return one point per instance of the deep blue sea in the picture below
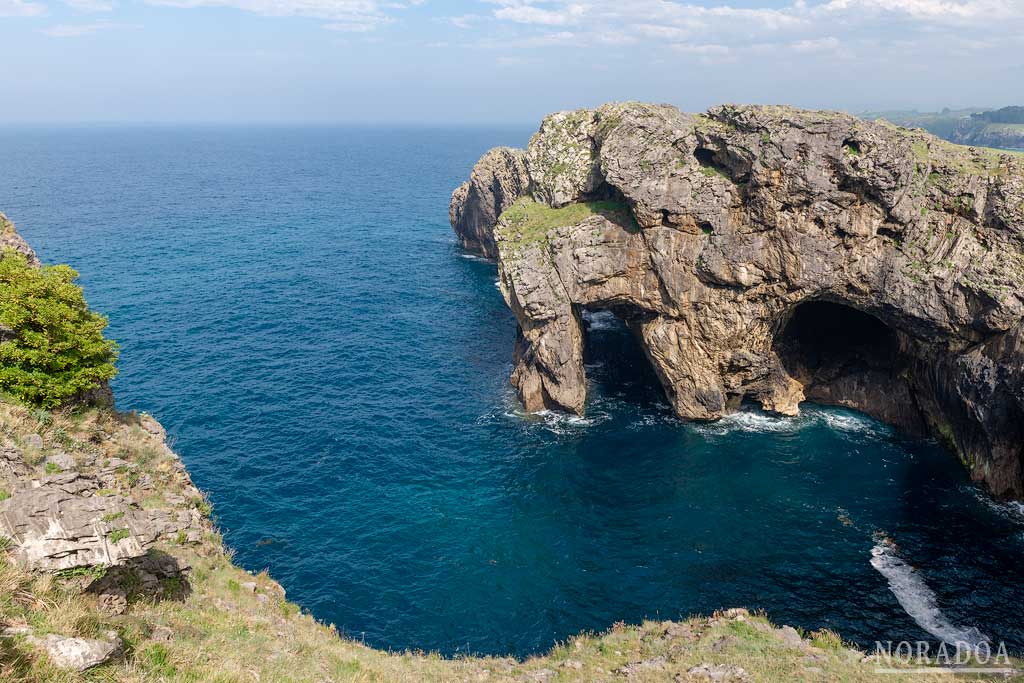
(291, 304)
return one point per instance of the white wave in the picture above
(1012, 510)
(601, 320)
(474, 257)
(750, 421)
(846, 422)
(918, 600)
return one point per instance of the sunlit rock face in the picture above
(769, 254)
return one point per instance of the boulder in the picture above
(78, 654)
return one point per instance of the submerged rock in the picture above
(769, 254)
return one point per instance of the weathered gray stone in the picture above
(58, 524)
(790, 637)
(10, 239)
(61, 460)
(497, 180)
(78, 654)
(718, 672)
(736, 221)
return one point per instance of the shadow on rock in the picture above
(154, 577)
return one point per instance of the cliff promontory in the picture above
(773, 255)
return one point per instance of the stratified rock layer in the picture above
(769, 254)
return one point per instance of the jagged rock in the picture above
(33, 441)
(61, 460)
(56, 523)
(635, 668)
(496, 181)
(10, 239)
(771, 254)
(718, 672)
(12, 463)
(78, 654)
(113, 601)
(790, 637)
(162, 634)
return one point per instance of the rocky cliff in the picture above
(768, 254)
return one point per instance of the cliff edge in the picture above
(768, 254)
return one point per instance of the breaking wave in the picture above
(918, 600)
(1012, 510)
(759, 421)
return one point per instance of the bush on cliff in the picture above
(52, 347)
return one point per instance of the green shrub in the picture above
(52, 348)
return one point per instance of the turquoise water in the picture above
(292, 305)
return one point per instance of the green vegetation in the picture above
(119, 535)
(52, 468)
(4, 495)
(53, 349)
(713, 172)
(528, 221)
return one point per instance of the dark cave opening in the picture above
(844, 356)
(614, 359)
(825, 337)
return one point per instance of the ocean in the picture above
(291, 303)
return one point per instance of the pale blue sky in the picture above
(494, 61)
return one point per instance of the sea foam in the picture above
(918, 600)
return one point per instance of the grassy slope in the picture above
(528, 221)
(225, 631)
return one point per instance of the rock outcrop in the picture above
(769, 254)
(498, 179)
(78, 654)
(61, 511)
(10, 239)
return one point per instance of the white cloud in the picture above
(90, 5)
(464, 20)
(528, 14)
(801, 26)
(355, 26)
(354, 16)
(76, 30)
(20, 8)
(827, 44)
(704, 50)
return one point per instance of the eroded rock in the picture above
(770, 254)
(78, 654)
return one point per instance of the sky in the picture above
(494, 61)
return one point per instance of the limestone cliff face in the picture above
(769, 254)
(10, 239)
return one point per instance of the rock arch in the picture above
(732, 232)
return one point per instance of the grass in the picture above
(528, 221)
(118, 535)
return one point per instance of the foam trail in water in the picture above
(918, 600)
